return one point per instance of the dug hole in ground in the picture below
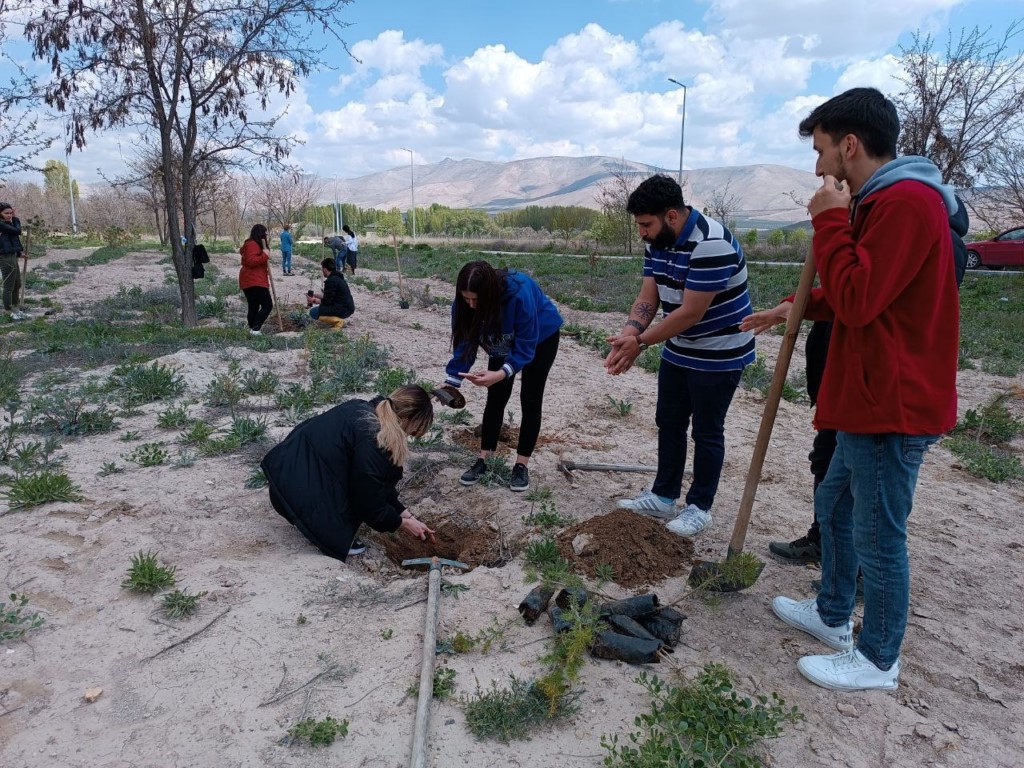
(282, 613)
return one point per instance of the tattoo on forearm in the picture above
(644, 311)
(634, 324)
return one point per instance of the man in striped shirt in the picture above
(694, 269)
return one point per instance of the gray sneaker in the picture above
(649, 504)
(520, 478)
(803, 614)
(472, 475)
(690, 522)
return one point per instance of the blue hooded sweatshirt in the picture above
(528, 317)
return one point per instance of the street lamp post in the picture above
(682, 130)
(412, 189)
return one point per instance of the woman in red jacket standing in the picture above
(253, 278)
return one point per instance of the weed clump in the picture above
(179, 604)
(41, 488)
(138, 384)
(147, 576)
(319, 733)
(979, 440)
(511, 713)
(702, 722)
(15, 621)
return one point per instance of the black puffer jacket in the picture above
(337, 300)
(10, 237)
(329, 476)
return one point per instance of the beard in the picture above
(665, 238)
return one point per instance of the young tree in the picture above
(195, 72)
(722, 205)
(286, 197)
(615, 227)
(958, 104)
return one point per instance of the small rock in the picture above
(950, 726)
(847, 709)
(580, 543)
(92, 694)
(450, 721)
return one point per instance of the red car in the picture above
(1004, 250)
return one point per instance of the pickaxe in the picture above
(419, 734)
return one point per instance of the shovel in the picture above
(739, 573)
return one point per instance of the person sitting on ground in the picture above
(11, 250)
(339, 470)
(338, 250)
(352, 244)
(335, 301)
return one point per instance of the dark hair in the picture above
(328, 264)
(346, 228)
(654, 196)
(470, 325)
(865, 113)
(258, 233)
(5, 206)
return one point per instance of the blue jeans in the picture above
(862, 508)
(286, 261)
(314, 312)
(339, 260)
(705, 396)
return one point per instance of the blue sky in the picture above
(505, 81)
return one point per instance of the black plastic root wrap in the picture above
(631, 606)
(666, 625)
(535, 603)
(564, 598)
(633, 650)
(624, 625)
(558, 621)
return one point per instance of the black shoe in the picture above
(802, 550)
(858, 595)
(357, 547)
(520, 478)
(472, 475)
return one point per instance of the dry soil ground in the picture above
(217, 699)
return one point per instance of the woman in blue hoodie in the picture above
(507, 315)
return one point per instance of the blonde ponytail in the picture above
(405, 412)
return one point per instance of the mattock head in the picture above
(435, 563)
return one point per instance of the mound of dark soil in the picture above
(470, 544)
(639, 549)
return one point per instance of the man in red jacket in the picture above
(885, 262)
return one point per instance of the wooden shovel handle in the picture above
(771, 406)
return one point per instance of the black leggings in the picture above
(258, 299)
(531, 398)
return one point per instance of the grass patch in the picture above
(444, 684)
(702, 722)
(148, 455)
(180, 604)
(42, 488)
(980, 441)
(147, 576)
(513, 712)
(987, 461)
(138, 384)
(548, 516)
(319, 733)
(15, 620)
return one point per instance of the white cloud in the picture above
(881, 73)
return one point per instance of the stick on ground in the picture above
(184, 640)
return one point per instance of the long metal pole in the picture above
(682, 130)
(412, 187)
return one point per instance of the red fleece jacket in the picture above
(254, 266)
(888, 283)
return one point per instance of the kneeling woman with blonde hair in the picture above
(341, 469)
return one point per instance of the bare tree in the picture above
(286, 197)
(194, 70)
(1000, 203)
(958, 104)
(722, 204)
(21, 139)
(616, 225)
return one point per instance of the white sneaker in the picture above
(16, 315)
(649, 504)
(691, 521)
(254, 332)
(803, 614)
(848, 671)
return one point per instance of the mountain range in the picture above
(772, 194)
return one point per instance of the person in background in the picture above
(352, 244)
(254, 278)
(11, 250)
(508, 315)
(886, 266)
(339, 470)
(338, 250)
(336, 299)
(694, 268)
(286, 249)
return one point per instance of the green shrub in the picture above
(988, 461)
(700, 723)
(319, 733)
(146, 575)
(138, 384)
(15, 621)
(148, 455)
(510, 713)
(180, 604)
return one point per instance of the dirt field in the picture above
(217, 699)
